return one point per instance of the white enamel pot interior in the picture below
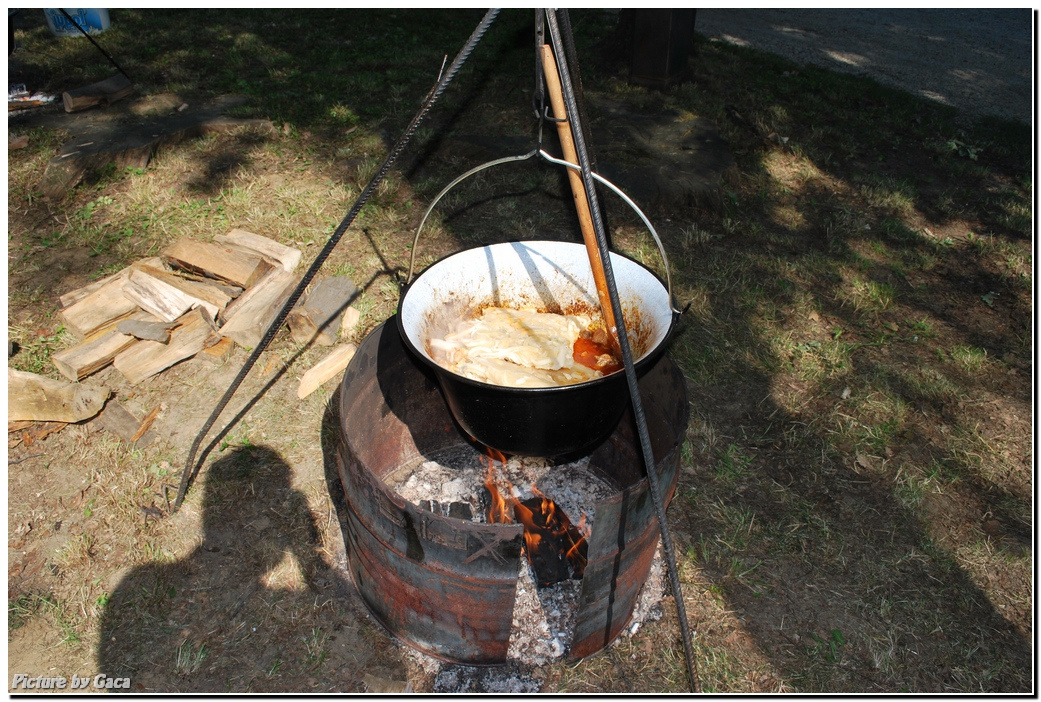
(551, 276)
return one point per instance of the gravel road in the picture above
(980, 61)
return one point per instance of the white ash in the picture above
(543, 618)
(574, 487)
(649, 604)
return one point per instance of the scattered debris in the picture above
(377, 685)
(28, 432)
(19, 98)
(23, 458)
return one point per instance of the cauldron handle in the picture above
(550, 159)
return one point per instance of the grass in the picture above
(856, 347)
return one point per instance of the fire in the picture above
(555, 547)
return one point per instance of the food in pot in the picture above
(525, 348)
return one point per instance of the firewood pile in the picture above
(196, 299)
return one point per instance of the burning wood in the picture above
(556, 549)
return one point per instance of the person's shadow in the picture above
(254, 607)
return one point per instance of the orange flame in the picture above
(550, 527)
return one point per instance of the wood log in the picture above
(318, 317)
(102, 308)
(146, 358)
(78, 294)
(87, 357)
(169, 296)
(351, 317)
(103, 92)
(35, 397)
(248, 317)
(234, 266)
(285, 256)
(118, 421)
(218, 353)
(325, 369)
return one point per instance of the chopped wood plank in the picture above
(103, 92)
(233, 266)
(351, 317)
(101, 308)
(78, 294)
(318, 317)
(248, 318)
(325, 369)
(169, 296)
(146, 331)
(35, 397)
(87, 357)
(286, 256)
(146, 358)
(219, 352)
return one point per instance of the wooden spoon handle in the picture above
(585, 217)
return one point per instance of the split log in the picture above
(248, 317)
(318, 317)
(219, 352)
(117, 420)
(87, 357)
(35, 397)
(325, 369)
(285, 256)
(234, 266)
(351, 317)
(103, 92)
(78, 294)
(169, 296)
(146, 358)
(102, 308)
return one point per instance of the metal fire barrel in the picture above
(447, 586)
